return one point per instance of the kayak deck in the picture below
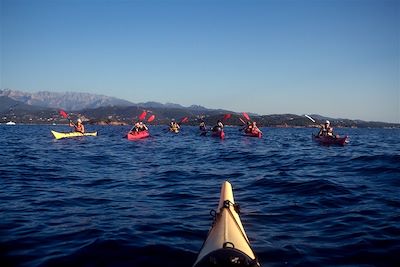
(330, 140)
(220, 134)
(227, 243)
(137, 135)
(255, 134)
(58, 135)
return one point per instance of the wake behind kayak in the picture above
(227, 243)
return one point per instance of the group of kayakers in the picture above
(250, 127)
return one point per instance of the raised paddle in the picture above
(151, 118)
(227, 116)
(66, 116)
(184, 120)
(143, 115)
(246, 116)
(311, 119)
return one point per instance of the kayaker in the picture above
(326, 129)
(253, 128)
(218, 127)
(78, 127)
(202, 126)
(174, 126)
(139, 127)
(247, 127)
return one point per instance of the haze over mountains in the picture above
(42, 107)
(75, 101)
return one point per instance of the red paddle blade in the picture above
(186, 119)
(227, 116)
(143, 115)
(151, 118)
(63, 113)
(246, 116)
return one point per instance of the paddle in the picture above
(227, 116)
(143, 115)
(311, 119)
(244, 127)
(151, 118)
(183, 120)
(66, 116)
(246, 116)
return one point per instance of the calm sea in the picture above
(107, 201)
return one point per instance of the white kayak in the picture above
(58, 135)
(227, 243)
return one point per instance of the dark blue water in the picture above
(107, 201)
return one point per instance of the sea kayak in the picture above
(330, 140)
(58, 135)
(254, 134)
(219, 134)
(227, 243)
(137, 135)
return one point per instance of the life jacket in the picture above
(325, 131)
(79, 128)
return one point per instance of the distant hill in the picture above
(8, 104)
(79, 101)
(67, 100)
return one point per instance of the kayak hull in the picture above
(256, 134)
(330, 140)
(227, 243)
(58, 135)
(174, 130)
(137, 135)
(219, 134)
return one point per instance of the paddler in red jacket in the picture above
(78, 126)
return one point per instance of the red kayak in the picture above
(330, 140)
(219, 134)
(254, 134)
(137, 135)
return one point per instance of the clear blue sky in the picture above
(335, 58)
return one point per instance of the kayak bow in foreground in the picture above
(58, 135)
(227, 243)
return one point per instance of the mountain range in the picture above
(42, 107)
(74, 101)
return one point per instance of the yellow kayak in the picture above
(58, 135)
(227, 243)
